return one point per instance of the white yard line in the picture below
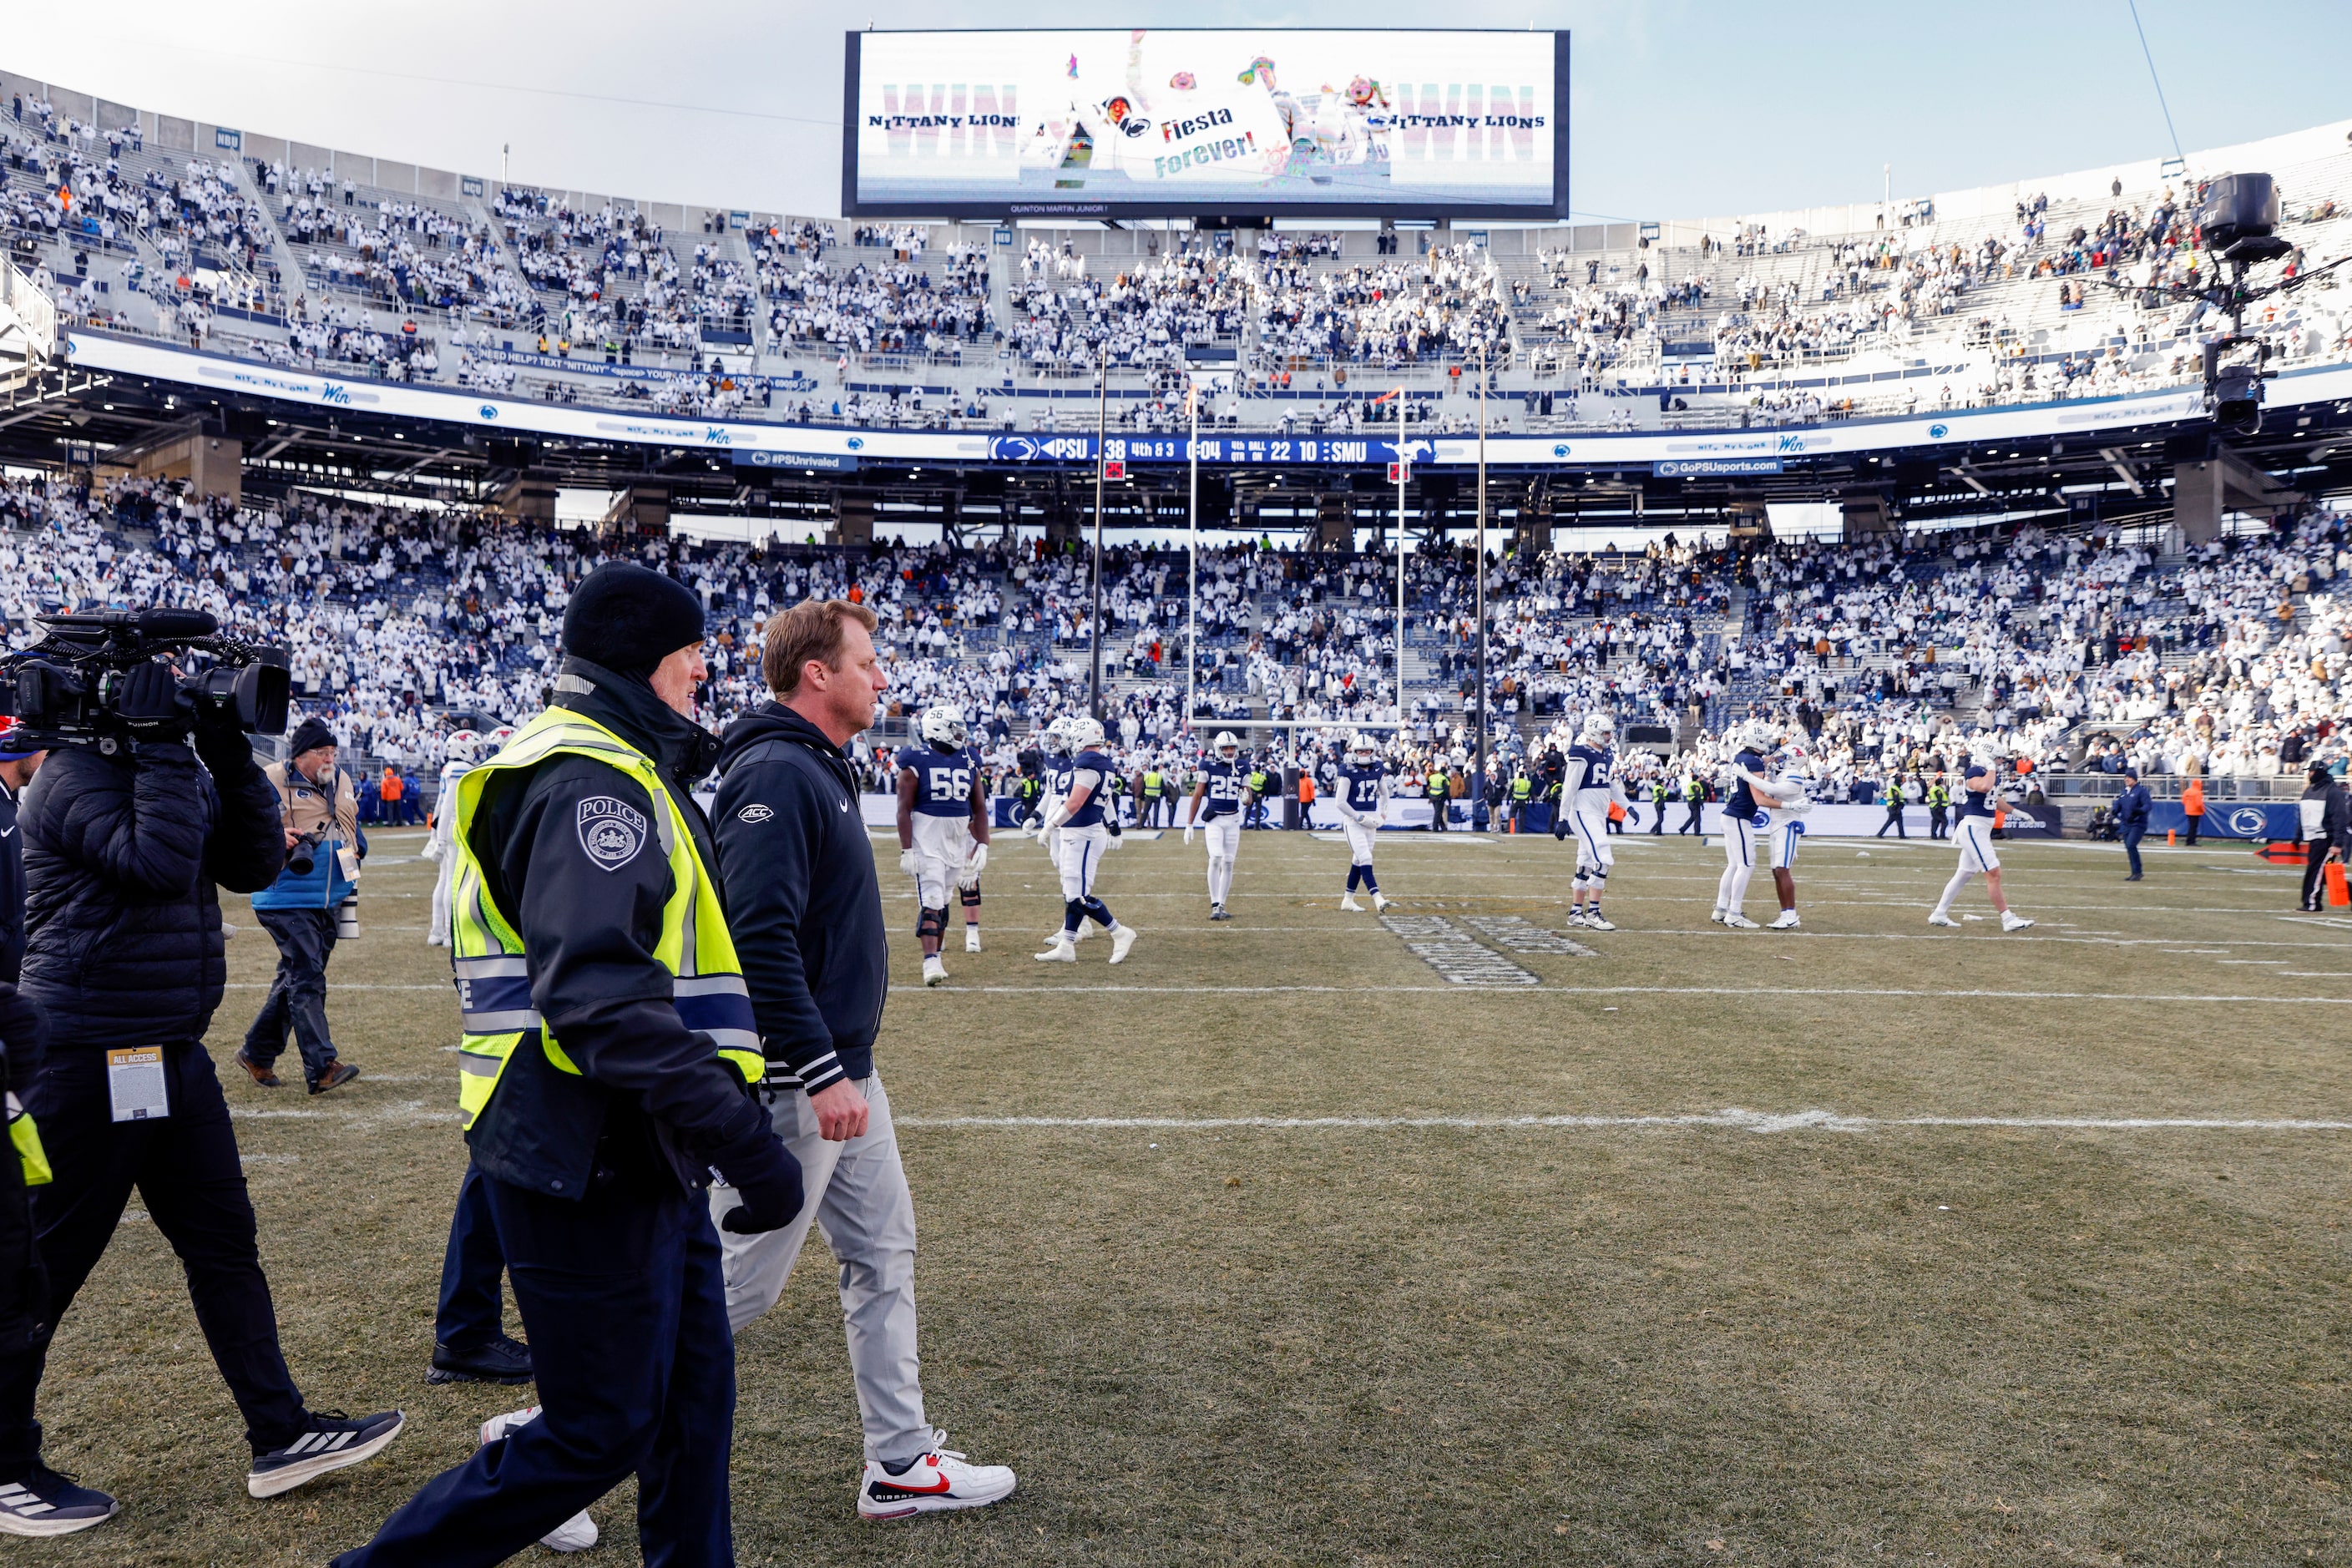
(1732, 1119)
(1552, 990)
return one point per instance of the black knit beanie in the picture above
(629, 619)
(308, 736)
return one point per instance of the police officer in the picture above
(608, 1049)
(1660, 794)
(1939, 809)
(1149, 797)
(1694, 802)
(1893, 798)
(1253, 802)
(1523, 790)
(1440, 797)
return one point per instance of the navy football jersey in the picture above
(1973, 802)
(1360, 787)
(1057, 774)
(943, 780)
(1091, 814)
(1600, 766)
(1742, 802)
(1225, 781)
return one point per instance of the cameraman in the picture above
(124, 838)
(322, 814)
(23, 1031)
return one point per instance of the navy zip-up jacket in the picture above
(801, 899)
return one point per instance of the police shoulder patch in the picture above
(755, 812)
(612, 831)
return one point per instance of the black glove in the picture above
(764, 1174)
(149, 701)
(1112, 823)
(223, 746)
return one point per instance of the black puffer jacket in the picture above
(123, 928)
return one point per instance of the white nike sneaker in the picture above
(2011, 921)
(934, 972)
(1348, 903)
(1380, 903)
(1121, 940)
(1716, 917)
(1737, 922)
(971, 939)
(1061, 950)
(940, 1479)
(1941, 918)
(1596, 920)
(577, 1533)
(1575, 916)
(1787, 922)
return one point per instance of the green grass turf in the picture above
(1867, 1343)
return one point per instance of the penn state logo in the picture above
(611, 831)
(2248, 821)
(1761, 819)
(1937, 432)
(755, 812)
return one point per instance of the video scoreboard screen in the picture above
(1151, 123)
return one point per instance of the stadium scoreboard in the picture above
(1162, 122)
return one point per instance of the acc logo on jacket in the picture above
(612, 831)
(755, 812)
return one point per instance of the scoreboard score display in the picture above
(1155, 122)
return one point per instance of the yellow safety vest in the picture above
(493, 971)
(26, 1139)
(1151, 781)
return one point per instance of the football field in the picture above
(1317, 1238)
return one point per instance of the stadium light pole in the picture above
(1479, 768)
(1192, 561)
(1093, 682)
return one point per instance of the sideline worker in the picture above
(608, 1046)
(793, 847)
(2132, 809)
(317, 801)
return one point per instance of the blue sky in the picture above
(1680, 108)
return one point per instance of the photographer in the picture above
(125, 835)
(23, 1031)
(323, 846)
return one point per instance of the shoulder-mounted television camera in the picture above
(65, 690)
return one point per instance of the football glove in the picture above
(972, 867)
(1188, 835)
(906, 861)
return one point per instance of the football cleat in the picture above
(1787, 921)
(934, 972)
(1737, 922)
(1348, 903)
(1597, 921)
(577, 1533)
(1941, 918)
(2011, 921)
(1576, 916)
(1121, 940)
(1716, 917)
(1219, 913)
(971, 939)
(1380, 903)
(1061, 950)
(939, 1480)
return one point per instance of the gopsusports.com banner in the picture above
(1155, 121)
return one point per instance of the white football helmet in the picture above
(463, 746)
(1058, 737)
(498, 737)
(1362, 750)
(1600, 730)
(1226, 745)
(1085, 730)
(1758, 735)
(943, 727)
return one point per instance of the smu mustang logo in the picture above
(612, 831)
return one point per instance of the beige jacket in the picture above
(308, 807)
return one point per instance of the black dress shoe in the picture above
(502, 1359)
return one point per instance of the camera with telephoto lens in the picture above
(66, 689)
(302, 855)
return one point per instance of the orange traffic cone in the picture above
(2170, 838)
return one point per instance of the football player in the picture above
(942, 831)
(1222, 791)
(1055, 776)
(1784, 833)
(1087, 818)
(1590, 788)
(1979, 794)
(1746, 820)
(1363, 785)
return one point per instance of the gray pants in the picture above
(858, 1196)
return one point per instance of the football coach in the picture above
(806, 913)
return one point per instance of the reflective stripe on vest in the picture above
(25, 1137)
(492, 972)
